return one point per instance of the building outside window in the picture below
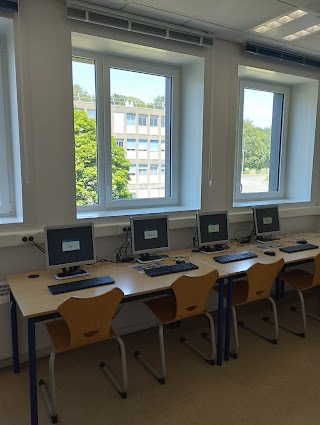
(260, 162)
(154, 145)
(143, 143)
(163, 122)
(154, 169)
(120, 142)
(131, 144)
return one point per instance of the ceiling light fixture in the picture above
(275, 23)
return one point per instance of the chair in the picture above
(188, 300)
(301, 280)
(256, 287)
(84, 321)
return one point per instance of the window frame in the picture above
(103, 63)
(282, 142)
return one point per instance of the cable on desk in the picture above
(244, 239)
(195, 242)
(122, 251)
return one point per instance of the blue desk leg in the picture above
(14, 334)
(228, 319)
(220, 323)
(32, 372)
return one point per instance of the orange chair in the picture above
(84, 321)
(301, 280)
(256, 287)
(188, 300)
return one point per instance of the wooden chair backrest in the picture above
(191, 294)
(261, 278)
(89, 319)
(316, 273)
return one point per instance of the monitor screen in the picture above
(68, 246)
(266, 219)
(213, 228)
(149, 233)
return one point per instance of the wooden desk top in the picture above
(34, 298)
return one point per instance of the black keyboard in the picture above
(80, 284)
(174, 268)
(236, 256)
(297, 248)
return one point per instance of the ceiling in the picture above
(236, 20)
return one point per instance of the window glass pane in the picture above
(153, 121)
(120, 142)
(143, 144)
(162, 121)
(131, 144)
(131, 119)
(85, 133)
(260, 112)
(141, 95)
(154, 145)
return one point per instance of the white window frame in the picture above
(6, 162)
(103, 65)
(271, 195)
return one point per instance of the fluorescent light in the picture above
(301, 33)
(261, 29)
(273, 24)
(290, 37)
(314, 28)
(285, 19)
(297, 13)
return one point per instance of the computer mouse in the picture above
(180, 261)
(269, 252)
(301, 241)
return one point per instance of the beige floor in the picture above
(278, 385)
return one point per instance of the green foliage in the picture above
(120, 100)
(79, 94)
(256, 144)
(86, 163)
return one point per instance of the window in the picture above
(262, 125)
(131, 145)
(143, 169)
(154, 170)
(153, 121)
(143, 144)
(108, 183)
(131, 119)
(7, 207)
(154, 145)
(163, 121)
(142, 120)
(132, 170)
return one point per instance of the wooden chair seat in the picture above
(298, 278)
(239, 293)
(60, 336)
(164, 308)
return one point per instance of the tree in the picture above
(86, 163)
(79, 94)
(256, 143)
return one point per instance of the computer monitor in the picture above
(149, 233)
(69, 247)
(213, 230)
(266, 222)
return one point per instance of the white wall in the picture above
(49, 196)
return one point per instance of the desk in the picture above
(38, 304)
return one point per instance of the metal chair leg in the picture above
(300, 333)
(210, 359)
(50, 399)
(160, 377)
(122, 388)
(274, 338)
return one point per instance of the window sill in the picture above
(10, 220)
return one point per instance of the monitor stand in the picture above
(147, 258)
(73, 271)
(215, 248)
(266, 239)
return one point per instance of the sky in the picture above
(257, 104)
(143, 86)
